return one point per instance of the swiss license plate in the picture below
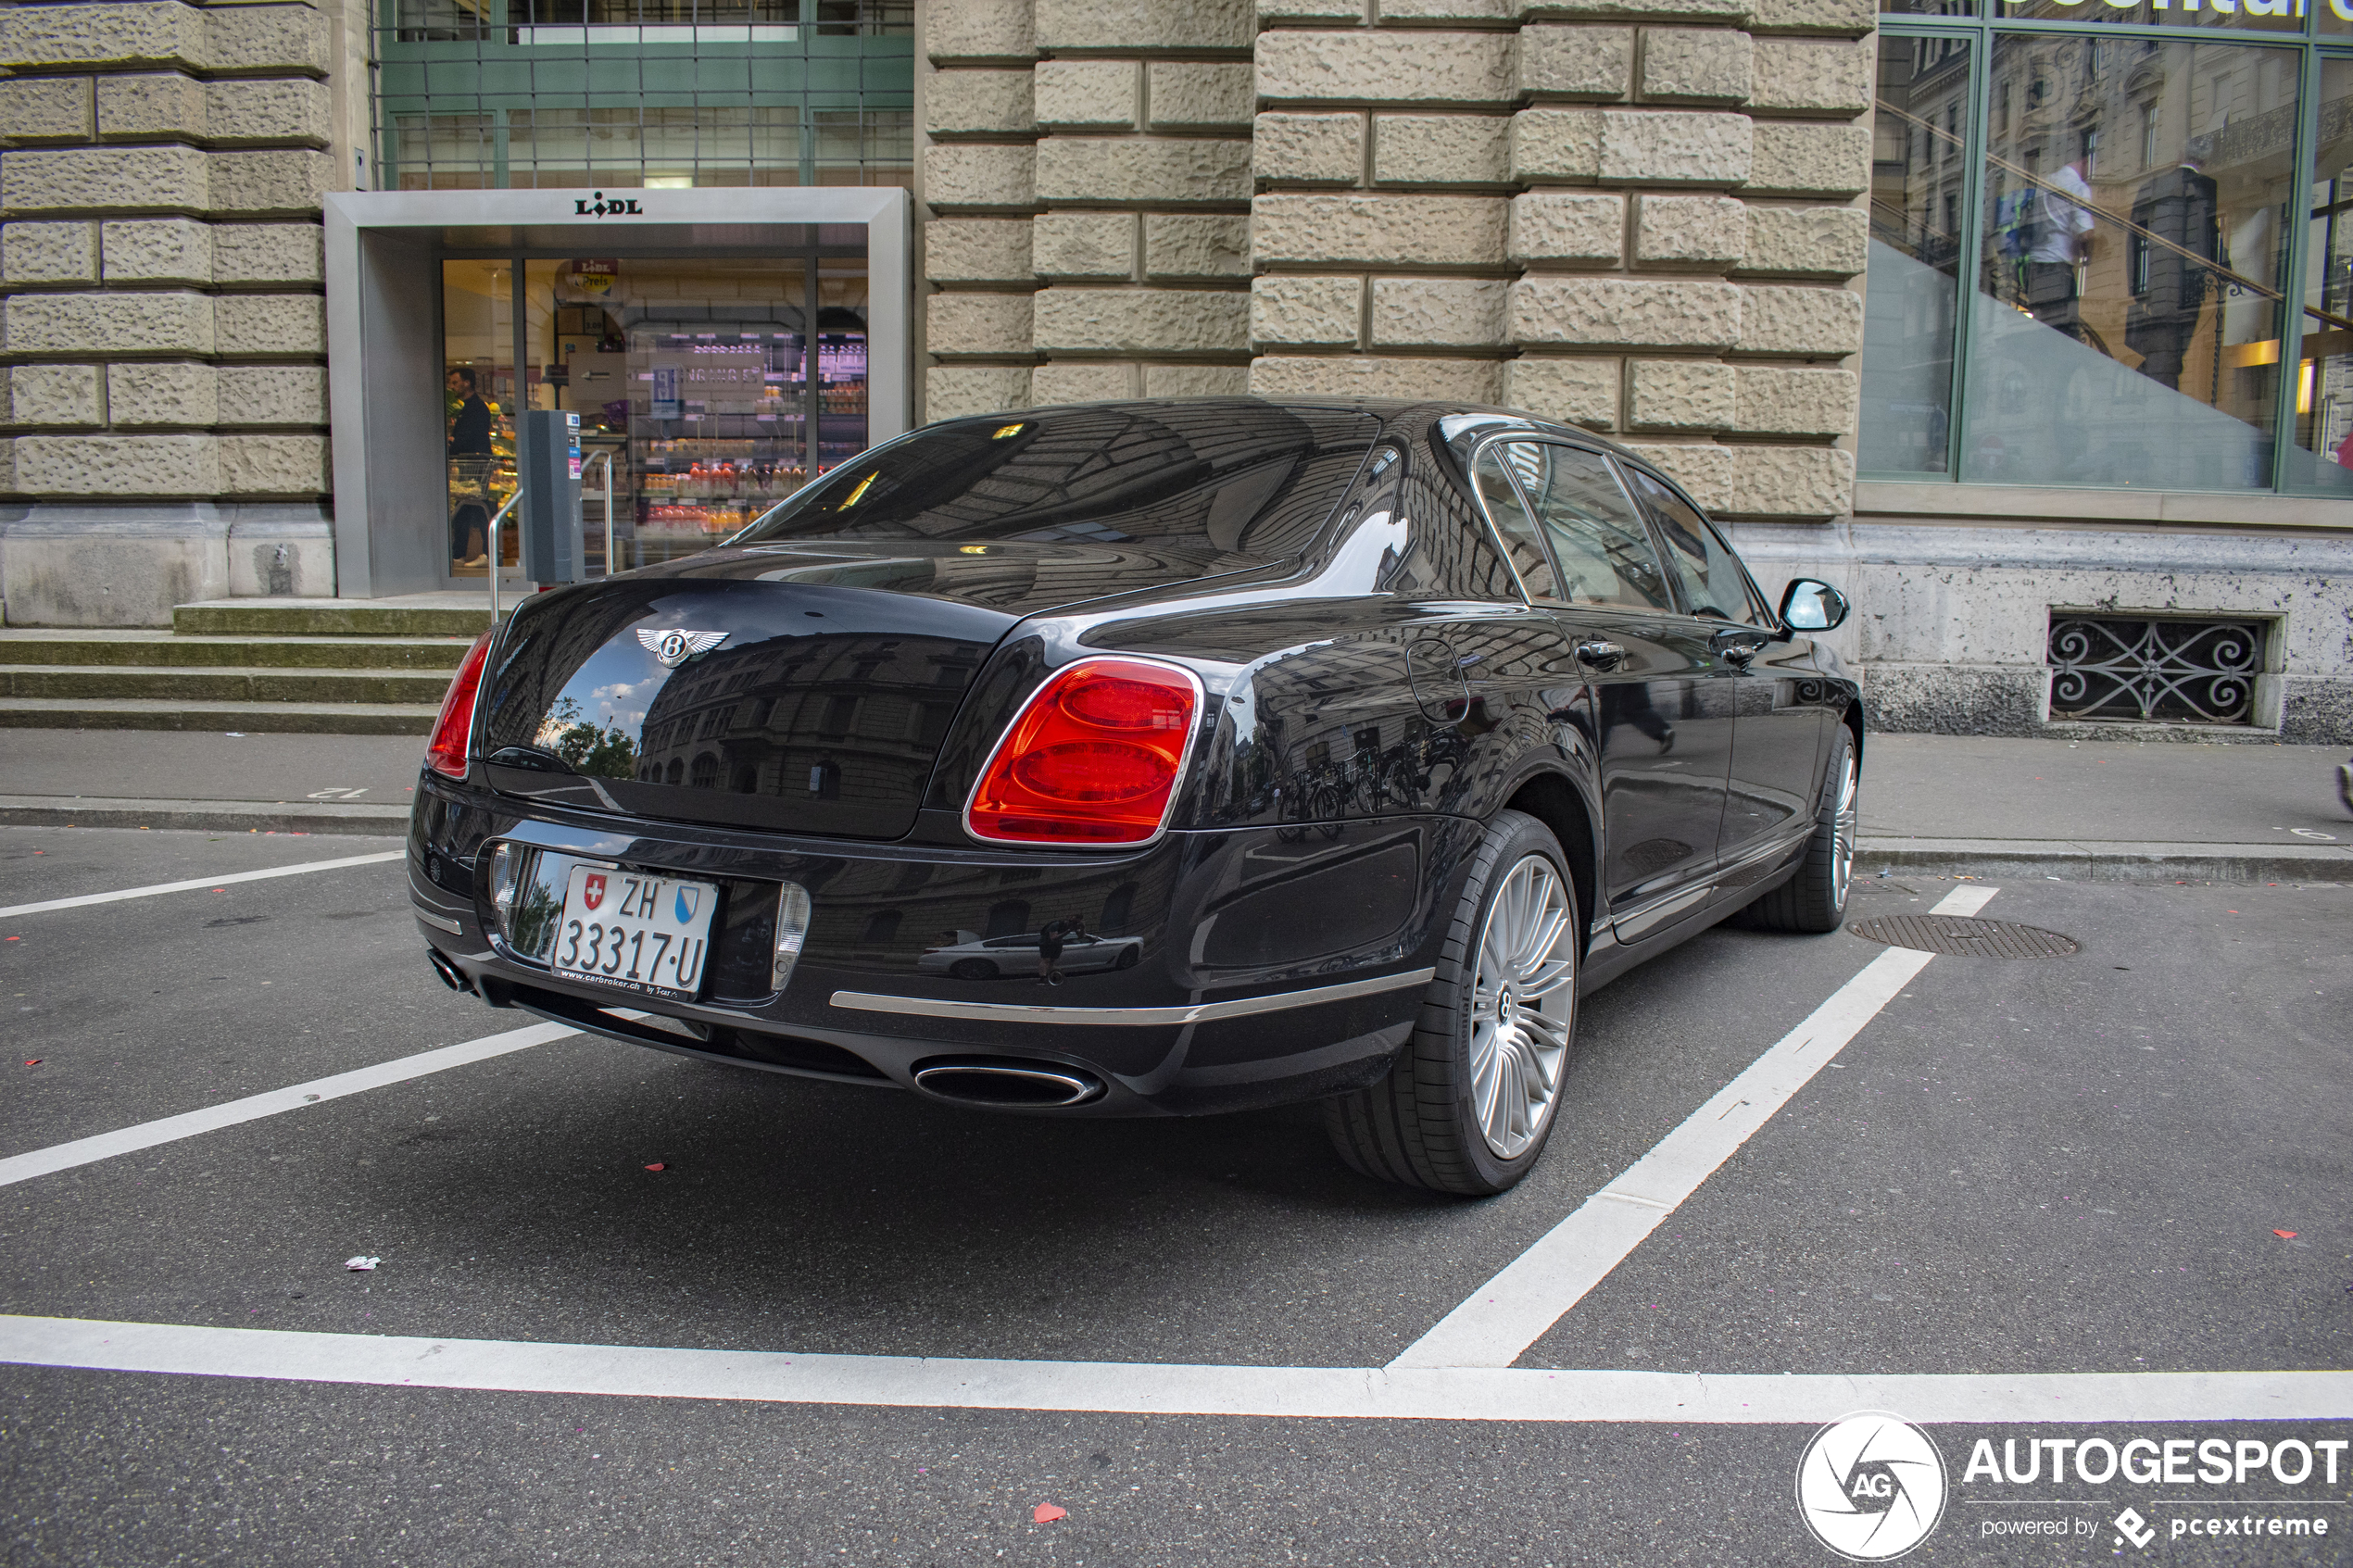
(631, 932)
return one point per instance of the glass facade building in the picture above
(2111, 246)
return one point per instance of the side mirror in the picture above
(1808, 605)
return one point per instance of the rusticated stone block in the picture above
(279, 181)
(1367, 375)
(288, 109)
(977, 323)
(1084, 244)
(272, 395)
(1441, 149)
(1180, 245)
(955, 392)
(1194, 95)
(1594, 63)
(1612, 312)
(1556, 145)
(1805, 75)
(266, 253)
(965, 102)
(977, 250)
(1138, 170)
(103, 178)
(1309, 149)
(273, 464)
(162, 34)
(119, 467)
(1731, 11)
(1427, 13)
(1410, 67)
(973, 30)
(1826, 321)
(1789, 482)
(49, 252)
(1674, 148)
(151, 104)
(1574, 392)
(962, 176)
(270, 323)
(1306, 312)
(1438, 312)
(1680, 395)
(1704, 472)
(1099, 94)
(1710, 232)
(1143, 320)
(1778, 401)
(57, 324)
(163, 394)
(1695, 65)
(1851, 18)
(1824, 241)
(1196, 381)
(157, 250)
(1811, 160)
(57, 394)
(1084, 381)
(1144, 24)
(257, 38)
(1378, 231)
(1586, 227)
(46, 110)
(1278, 13)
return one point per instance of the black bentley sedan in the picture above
(1154, 757)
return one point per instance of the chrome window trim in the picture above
(1132, 1017)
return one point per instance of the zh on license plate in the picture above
(647, 934)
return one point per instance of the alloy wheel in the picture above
(1523, 1005)
(1842, 832)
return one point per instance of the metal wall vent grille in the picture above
(1966, 938)
(2141, 667)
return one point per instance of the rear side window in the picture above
(1518, 529)
(1603, 549)
(1713, 584)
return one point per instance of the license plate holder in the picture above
(635, 931)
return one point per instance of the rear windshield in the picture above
(1222, 477)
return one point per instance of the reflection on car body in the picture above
(970, 957)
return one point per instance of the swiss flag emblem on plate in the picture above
(592, 892)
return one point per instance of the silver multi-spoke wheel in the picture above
(1523, 1004)
(1843, 831)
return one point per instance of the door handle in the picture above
(1739, 644)
(1601, 655)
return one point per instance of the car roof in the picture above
(1399, 416)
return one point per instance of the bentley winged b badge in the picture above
(673, 648)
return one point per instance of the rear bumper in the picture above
(1269, 970)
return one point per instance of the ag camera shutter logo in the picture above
(1871, 1487)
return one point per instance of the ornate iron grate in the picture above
(2141, 667)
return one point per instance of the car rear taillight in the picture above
(1093, 758)
(455, 726)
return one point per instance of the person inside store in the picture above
(471, 458)
(2175, 230)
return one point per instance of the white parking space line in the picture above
(160, 887)
(146, 1134)
(1410, 1394)
(1511, 1311)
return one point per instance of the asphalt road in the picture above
(2074, 1165)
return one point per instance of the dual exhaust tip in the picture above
(1009, 1085)
(451, 975)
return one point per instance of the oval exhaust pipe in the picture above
(451, 975)
(1018, 1085)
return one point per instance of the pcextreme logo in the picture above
(1871, 1487)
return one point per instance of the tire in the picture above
(1423, 1124)
(1814, 899)
(972, 969)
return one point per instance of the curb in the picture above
(2098, 861)
(233, 816)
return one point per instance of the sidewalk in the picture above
(1933, 805)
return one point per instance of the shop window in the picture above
(2322, 457)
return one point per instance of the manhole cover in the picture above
(1968, 938)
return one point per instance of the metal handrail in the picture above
(606, 459)
(497, 517)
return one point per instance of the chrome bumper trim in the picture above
(1198, 1013)
(439, 923)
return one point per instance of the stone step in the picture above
(268, 718)
(231, 683)
(18, 645)
(330, 618)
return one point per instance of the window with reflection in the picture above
(2323, 457)
(1598, 539)
(1920, 163)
